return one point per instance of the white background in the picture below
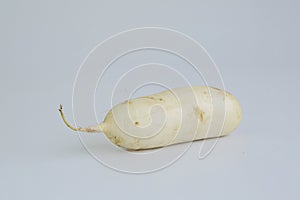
(254, 43)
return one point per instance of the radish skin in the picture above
(170, 117)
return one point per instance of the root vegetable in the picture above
(170, 117)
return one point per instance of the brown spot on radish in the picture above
(199, 114)
(116, 140)
(154, 98)
(136, 123)
(149, 97)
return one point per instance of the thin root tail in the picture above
(91, 129)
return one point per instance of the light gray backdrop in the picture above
(254, 43)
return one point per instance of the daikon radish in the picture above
(170, 117)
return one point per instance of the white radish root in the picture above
(170, 117)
